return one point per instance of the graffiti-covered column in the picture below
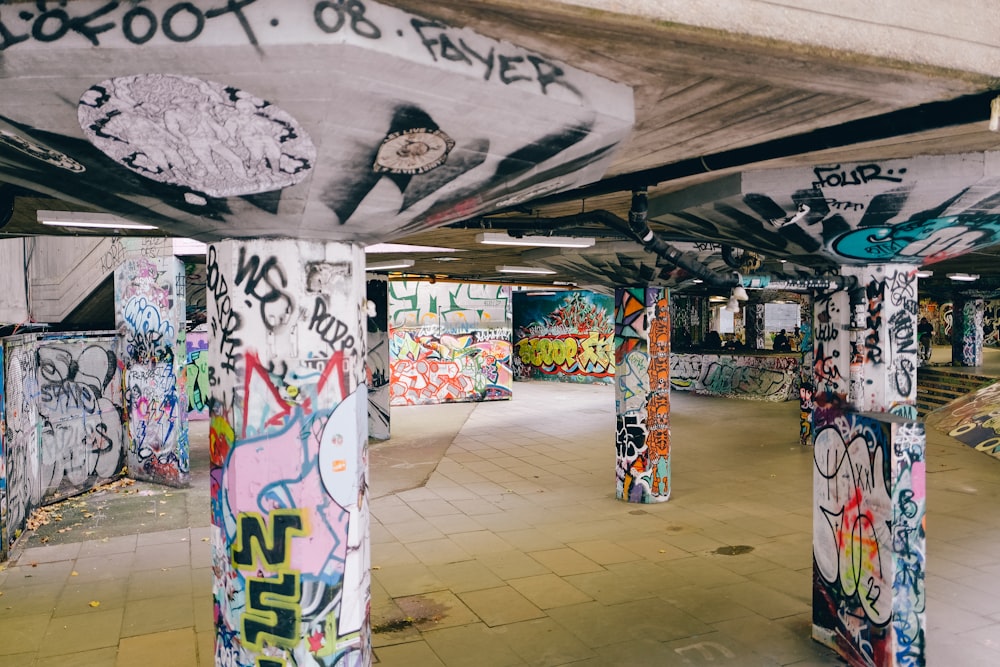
(754, 325)
(807, 385)
(642, 393)
(967, 331)
(869, 472)
(289, 438)
(377, 362)
(884, 339)
(150, 313)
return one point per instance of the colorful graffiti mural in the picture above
(869, 545)
(642, 394)
(566, 336)
(900, 210)
(975, 420)
(288, 440)
(752, 377)
(152, 293)
(196, 375)
(462, 350)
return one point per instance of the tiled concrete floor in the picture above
(512, 550)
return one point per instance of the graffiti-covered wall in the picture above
(565, 336)
(972, 419)
(377, 361)
(642, 394)
(288, 442)
(756, 377)
(150, 294)
(868, 539)
(196, 374)
(449, 342)
(63, 427)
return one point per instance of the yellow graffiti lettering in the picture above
(273, 611)
(596, 351)
(270, 544)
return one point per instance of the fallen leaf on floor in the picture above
(74, 573)
(94, 603)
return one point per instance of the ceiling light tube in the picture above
(963, 277)
(382, 248)
(393, 264)
(524, 269)
(924, 274)
(493, 238)
(91, 220)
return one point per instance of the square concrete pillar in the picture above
(642, 393)
(869, 544)
(289, 435)
(151, 317)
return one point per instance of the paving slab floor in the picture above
(497, 540)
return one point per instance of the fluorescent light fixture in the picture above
(524, 269)
(91, 220)
(924, 274)
(492, 238)
(386, 266)
(964, 277)
(382, 248)
(697, 281)
(549, 293)
(184, 246)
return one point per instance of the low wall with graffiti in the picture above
(196, 373)
(974, 420)
(758, 377)
(61, 408)
(566, 336)
(449, 342)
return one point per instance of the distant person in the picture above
(781, 343)
(684, 339)
(713, 341)
(925, 334)
(795, 340)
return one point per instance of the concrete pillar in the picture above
(869, 472)
(377, 361)
(807, 384)
(754, 325)
(150, 316)
(289, 452)
(967, 331)
(642, 393)
(884, 345)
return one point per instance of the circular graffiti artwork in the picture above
(414, 151)
(214, 139)
(28, 147)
